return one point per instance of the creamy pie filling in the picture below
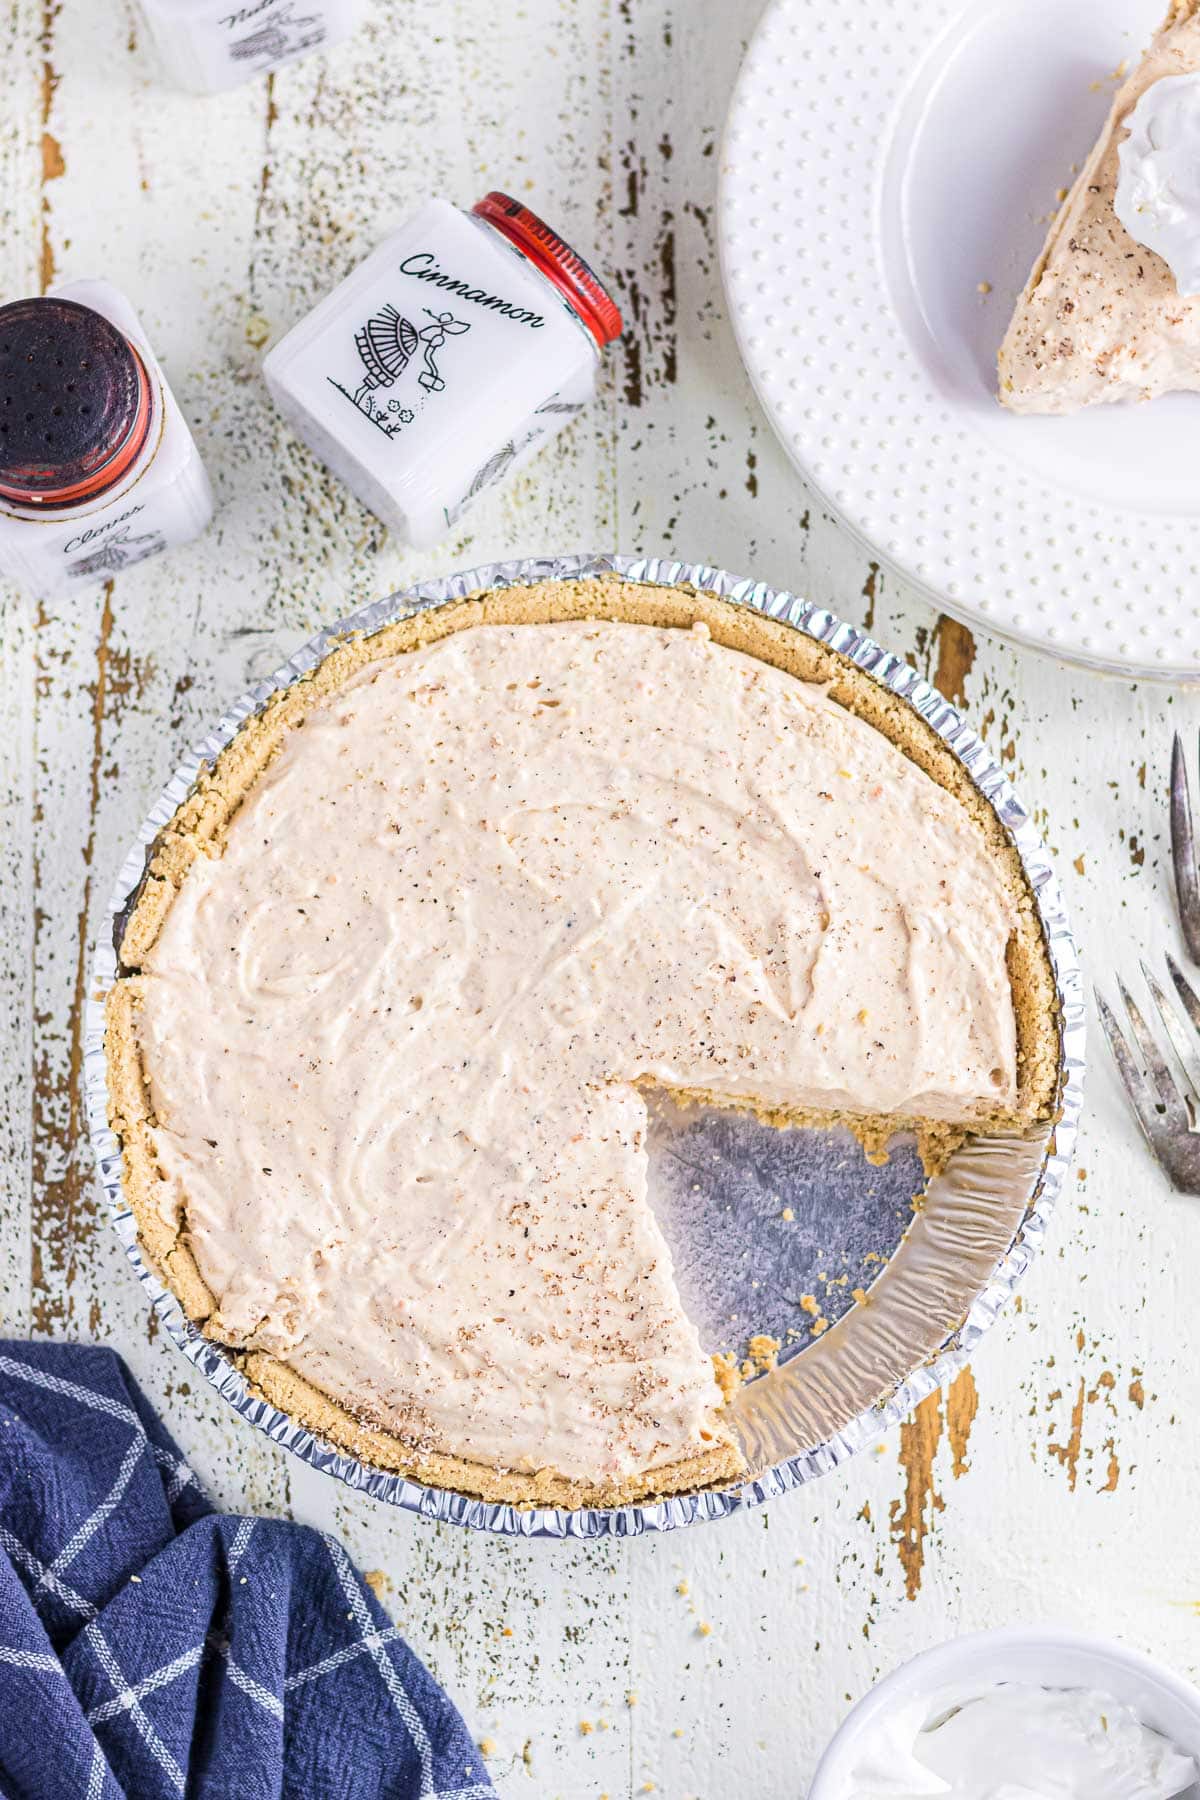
(392, 1034)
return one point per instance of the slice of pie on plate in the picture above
(404, 962)
(1101, 317)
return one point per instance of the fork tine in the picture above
(1152, 1057)
(1186, 992)
(1183, 851)
(1185, 1047)
(1141, 1099)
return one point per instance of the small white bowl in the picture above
(1042, 1656)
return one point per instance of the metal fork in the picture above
(1183, 852)
(1167, 1109)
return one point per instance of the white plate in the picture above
(882, 159)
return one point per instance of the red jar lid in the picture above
(75, 403)
(557, 261)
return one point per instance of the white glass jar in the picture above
(98, 469)
(445, 360)
(207, 45)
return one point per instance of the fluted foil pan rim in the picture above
(214, 1363)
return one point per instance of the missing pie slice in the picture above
(1101, 317)
(404, 962)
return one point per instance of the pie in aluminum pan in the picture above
(404, 962)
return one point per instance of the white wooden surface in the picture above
(1059, 1479)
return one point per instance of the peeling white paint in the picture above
(606, 117)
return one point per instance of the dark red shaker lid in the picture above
(75, 402)
(557, 261)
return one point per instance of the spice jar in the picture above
(97, 466)
(445, 360)
(206, 45)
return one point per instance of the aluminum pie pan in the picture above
(1014, 1191)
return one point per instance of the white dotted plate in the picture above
(888, 173)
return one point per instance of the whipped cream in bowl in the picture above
(1158, 190)
(1020, 1714)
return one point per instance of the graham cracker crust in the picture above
(199, 828)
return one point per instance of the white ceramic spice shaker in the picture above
(97, 466)
(445, 360)
(207, 45)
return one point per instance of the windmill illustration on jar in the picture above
(281, 36)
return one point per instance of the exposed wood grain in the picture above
(52, 157)
(912, 1517)
(64, 1189)
(225, 219)
(962, 1404)
(955, 659)
(20, 196)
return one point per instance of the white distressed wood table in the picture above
(1057, 1479)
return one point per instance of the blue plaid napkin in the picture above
(150, 1646)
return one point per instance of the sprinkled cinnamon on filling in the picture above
(393, 1033)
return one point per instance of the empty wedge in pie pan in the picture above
(771, 1231)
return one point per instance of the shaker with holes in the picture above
(98, 469)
